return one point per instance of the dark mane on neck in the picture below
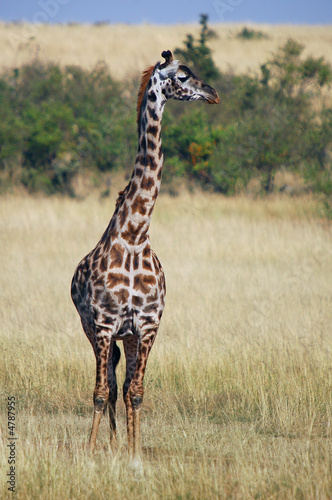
(146, 75)
(145, 80)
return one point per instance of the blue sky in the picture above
(168, 11)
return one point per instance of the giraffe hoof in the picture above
(136, 467)
(99, 404)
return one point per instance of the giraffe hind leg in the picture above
(113, 360)
(101, 392)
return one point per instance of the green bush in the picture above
(188, 143)
(56, 123)
(262, 125)
(49, 132)
(317, 165)
(250, 34)
(12, 128)
(293, 77)
(225, 170)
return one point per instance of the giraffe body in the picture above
(119, 287)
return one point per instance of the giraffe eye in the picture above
(183, 78)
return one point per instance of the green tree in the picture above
(48, 155)
(291, 76)
(197, 54)
(317, 165)
(291, 132)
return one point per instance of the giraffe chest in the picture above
(122, 287)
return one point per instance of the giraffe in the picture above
(119, 287)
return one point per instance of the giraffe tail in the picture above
(116, 355)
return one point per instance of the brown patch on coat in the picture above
(103, 264)
(133, 231)
(122, 296)
(153, 307)
(146, 252)
(127, 263)
(137, 301)
(153, 130)
(116, 255)
(150, 161)
(147, 183)
(108, 304)
(153, 297)
(114, 279)
(151, 144)
(136, 260)
(144, 283)
(138, 205)
(132, 190)
(123, 214)
(147, 265)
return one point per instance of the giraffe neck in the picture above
(133, 215)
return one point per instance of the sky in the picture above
(167, 11)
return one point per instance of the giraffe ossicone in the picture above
(119, 287)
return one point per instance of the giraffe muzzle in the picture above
(211, 96)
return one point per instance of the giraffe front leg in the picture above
(131, 349)
(134, 389)
(101, 392)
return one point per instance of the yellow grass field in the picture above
(238, 401)
(128, 49)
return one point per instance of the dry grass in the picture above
(238, 386)
(129, 49)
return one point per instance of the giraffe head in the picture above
(172, 80)
(179, 82)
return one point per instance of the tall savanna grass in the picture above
(238, 384)
(128, 49)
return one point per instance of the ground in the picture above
(238, 384)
